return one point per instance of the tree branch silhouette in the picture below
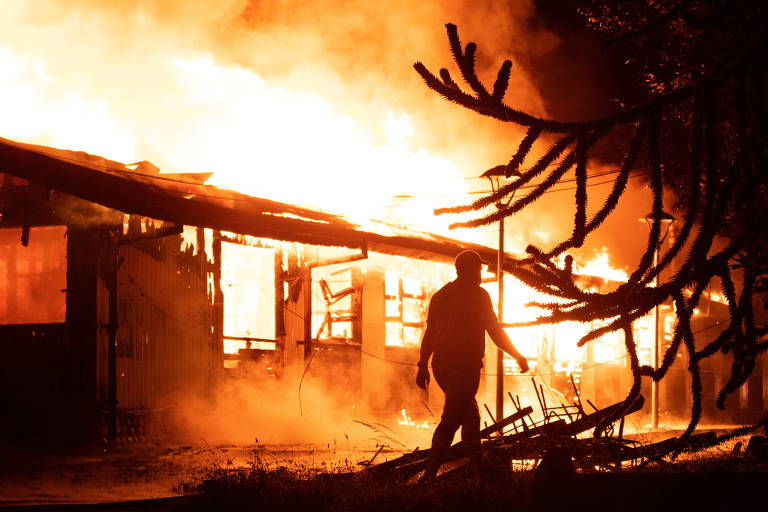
(726, 169)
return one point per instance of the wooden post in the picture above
(499, 352)
(279, 312)
(110, 274)
(218, 306)
(306, 286)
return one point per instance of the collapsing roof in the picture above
(168, 198)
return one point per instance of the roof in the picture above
(169, 198)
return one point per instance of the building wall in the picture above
(168, 349)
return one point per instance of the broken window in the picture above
(335, 303)
(248, 285)
(33, 279)
(406, 309)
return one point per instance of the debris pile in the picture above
(563, 427)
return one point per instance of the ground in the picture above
(304, 477)
(135, 472)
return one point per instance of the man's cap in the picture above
(468, 260)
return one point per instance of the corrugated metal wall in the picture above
(166, 343)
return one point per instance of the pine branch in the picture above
(725, 109)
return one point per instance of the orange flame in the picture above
(405, 420)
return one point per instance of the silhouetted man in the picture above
(459, 315)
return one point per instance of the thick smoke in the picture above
(253, 409)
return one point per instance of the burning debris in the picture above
(405, 419)
(518, 437)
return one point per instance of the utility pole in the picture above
(495, 175)
(499, 352)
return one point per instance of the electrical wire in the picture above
(428, 196)
(486, 374)
(621, 151)
(595, 175)
(301, 381)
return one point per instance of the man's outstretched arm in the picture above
(499, 335)
(501, 340)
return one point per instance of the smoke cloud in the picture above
(253, 409)
(254, 90)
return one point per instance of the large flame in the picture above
(152, 81)
(126, 87)
(260, 139)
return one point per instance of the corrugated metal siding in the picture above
(166, 344)
(102, 343)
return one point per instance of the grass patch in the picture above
(267, 485)
(717, 476)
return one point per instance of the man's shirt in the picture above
(459, 314)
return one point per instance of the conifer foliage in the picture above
(720, 110)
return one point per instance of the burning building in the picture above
(125, 291)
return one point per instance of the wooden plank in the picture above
(411, 463)
(419, 455)
(522, 413)
(592, 420)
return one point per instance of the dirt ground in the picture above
(140, 471)
(155, 474)
(137, 472)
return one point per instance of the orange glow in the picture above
(33, 278)
(600, 266)
(259, 137)
(554, 346)
(77, 84)
(408, 285)
(407, 291)
(717, 297)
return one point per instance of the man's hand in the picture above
(522, 363)
(422, 377)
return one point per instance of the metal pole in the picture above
(655, 352)
(499, 352)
